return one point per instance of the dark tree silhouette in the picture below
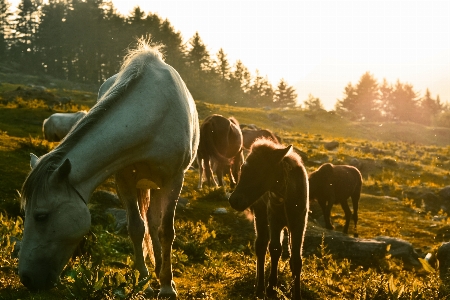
(285, 95)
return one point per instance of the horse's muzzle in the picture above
(38, 283)
(237, 202)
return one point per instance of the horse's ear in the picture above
(33, 160)
(281, 153)
(64, 169)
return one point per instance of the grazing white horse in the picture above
(144, 129)
(58, 125)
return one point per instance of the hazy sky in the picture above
(320, 46)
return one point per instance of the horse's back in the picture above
(156, 113)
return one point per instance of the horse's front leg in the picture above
(168, 198)
(209, 173)
(262, 240)
(297, 231)
(275, 250)
(326, 210)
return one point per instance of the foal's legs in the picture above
(208, 172)
(326, 210)
(167, 196)
(355, 200)
(275, 250)
(297, 231)
(262, 240)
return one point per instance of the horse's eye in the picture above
(41, 217)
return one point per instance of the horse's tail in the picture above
(208, 145)
(147, 245)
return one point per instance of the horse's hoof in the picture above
(271, 292)
(149, 292)
(168, 293)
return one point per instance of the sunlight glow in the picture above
(320, 46)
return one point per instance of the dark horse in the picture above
(221, 145)
(250, 136)
(274, 185)
(331, 184)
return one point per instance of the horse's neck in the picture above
(92, 163)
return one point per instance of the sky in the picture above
(320, 46)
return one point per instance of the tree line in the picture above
(373, 101)
(85, 41)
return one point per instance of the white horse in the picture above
(145, 130)
(58, 125)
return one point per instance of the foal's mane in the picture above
(133, 66)
(262, 146)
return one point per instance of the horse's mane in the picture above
(132, 68)
(262, 146)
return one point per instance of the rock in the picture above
(220, 211)
(443, 256)
(18, 243)
(364, 252)
(106, 198)
(444, 193)
(355, 163)
(331, 145)
(182, 202)
(402, 250)
(120, 218)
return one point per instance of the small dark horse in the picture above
(331, 184)
(250, 136)
(221, 145)
(274, 185)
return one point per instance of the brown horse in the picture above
(250, 136)
(274, 185)
(221, 146)
(331, 184)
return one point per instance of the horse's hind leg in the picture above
(348, 214)
(355, 201)
(262, 240)
(168, 196)
(127, 191)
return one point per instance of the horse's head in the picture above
(56, 219)
(258, 173)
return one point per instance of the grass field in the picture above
(213, 253)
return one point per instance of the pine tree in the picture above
(261, 92)
(385, 100)
(404, 104)
(429, 108)
(362, 101)
(198, 68)
(240, 80)
(25, 25)
(285, 95)
(4, 27)
(313, 104)
(50, 38)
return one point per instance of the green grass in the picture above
(213, 253)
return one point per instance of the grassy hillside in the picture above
(213, 253)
